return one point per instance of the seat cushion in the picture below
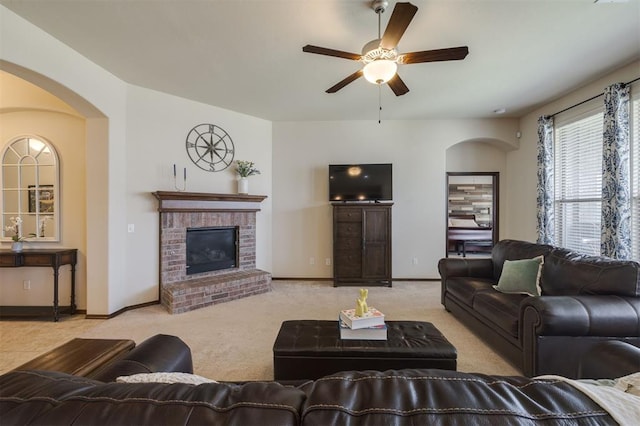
(500, 308)
(464, 288)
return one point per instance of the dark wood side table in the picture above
(53, 258)
(80, 357)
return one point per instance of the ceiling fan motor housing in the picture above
(372, 45)
(379, 6)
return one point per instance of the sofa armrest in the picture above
(455, 267)
(160, 353)
(609, 359)
(556, 331)
(580, 316)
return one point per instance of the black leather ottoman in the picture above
(310, 349)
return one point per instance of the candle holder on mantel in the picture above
(175, 180)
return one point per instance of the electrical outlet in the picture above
(131, 228)
(312, 261)
(26, 284)
(415, 260)
(327, 261)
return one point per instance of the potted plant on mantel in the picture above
(17, 235)
(244, 170)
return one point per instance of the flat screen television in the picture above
(360, 182)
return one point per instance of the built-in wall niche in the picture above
(30, 190)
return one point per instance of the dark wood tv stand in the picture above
(362, 244)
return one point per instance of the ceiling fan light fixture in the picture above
(380, 71)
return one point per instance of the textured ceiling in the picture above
(247, 56)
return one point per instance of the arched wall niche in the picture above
(473, 169)
(77, 102)
(90, 194)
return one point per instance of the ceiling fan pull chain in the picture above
(379, 103)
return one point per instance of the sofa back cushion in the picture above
(441, 397)
(567, 273)
(47, 397)
(515, 250)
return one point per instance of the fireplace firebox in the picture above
(211, 249)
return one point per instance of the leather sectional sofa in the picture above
(395, 397)
(584, 300)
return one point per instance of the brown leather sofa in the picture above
(394, 397)
(585, 300)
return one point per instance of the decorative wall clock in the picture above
(210, 147)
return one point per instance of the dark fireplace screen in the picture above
(211, 249)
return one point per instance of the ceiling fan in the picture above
(380, 56)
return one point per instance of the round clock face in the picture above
(210, 147)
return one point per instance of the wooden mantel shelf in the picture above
(172, 201)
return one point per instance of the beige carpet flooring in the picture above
(234, 340)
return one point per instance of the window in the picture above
(578, 180)
(578, 176)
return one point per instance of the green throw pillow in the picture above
(521, 276)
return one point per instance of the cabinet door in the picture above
(376, 244)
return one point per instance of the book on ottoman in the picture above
(371, 318)
(377, 332)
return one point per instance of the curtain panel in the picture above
(616, 192)
(545, 187)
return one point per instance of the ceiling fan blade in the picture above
(397, 85)
(353, 77)
(400, 19)
(331, 52)
(450, 54)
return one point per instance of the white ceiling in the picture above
(246, 56)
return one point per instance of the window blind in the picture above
(578, 182)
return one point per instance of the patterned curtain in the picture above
(545, 196)
(615, 240)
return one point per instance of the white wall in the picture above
(156, 131)
(522, 164)
(133, 137)
(302, 225)
(476, 156)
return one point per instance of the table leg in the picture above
(73, 289)
(55, 293)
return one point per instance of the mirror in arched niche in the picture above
(30, 190)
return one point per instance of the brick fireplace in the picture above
(179, 211)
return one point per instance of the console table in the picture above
(53, 258)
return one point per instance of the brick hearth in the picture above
(181, 210)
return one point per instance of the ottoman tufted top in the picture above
(408, 339)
